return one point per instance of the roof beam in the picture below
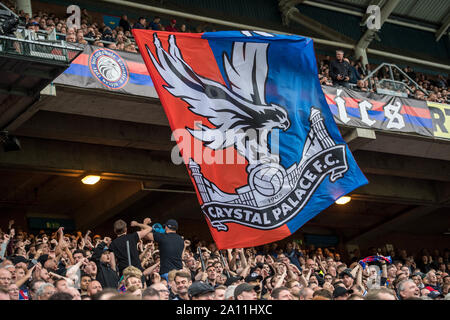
(334, 7)
(443, 29)
(385, 12)
(76, 128)
(75, 159)
(239, 26)
(358, 137)
(291, 13)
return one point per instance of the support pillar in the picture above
(24, 5)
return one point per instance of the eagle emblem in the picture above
(240, 115)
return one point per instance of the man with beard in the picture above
(183, 282)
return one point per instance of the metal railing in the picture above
(62, 52)
(391, 83)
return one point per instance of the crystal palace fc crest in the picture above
(274, 194)
(109, 68)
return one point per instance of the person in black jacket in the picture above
(107, 274)
(124, 23)
(141, 24)
(340, 70)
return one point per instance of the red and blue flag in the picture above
(253, 127)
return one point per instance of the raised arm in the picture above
(150, 269)
(359, 275)
(27, 276)
(279, 283)
(304, 280)
(146, 229)
(243, 259)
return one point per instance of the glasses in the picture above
(3, 279)
(13, 290)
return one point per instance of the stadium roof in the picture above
(434, 12)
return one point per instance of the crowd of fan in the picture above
(137, 265)
(354, 72)
(121, 38)
(95, 33)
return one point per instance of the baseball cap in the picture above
(339, 291)
(253, 277)
(231, 280)
(199, 288)
(173, 21)
(243, 287)
(17, 259)
(171, 224)
(347, 272)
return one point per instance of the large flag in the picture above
(253, 128)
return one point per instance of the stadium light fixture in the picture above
(343, 200)
(90, 179)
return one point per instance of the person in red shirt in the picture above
(172, 26)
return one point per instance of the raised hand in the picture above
(107, 240)
(134, 223)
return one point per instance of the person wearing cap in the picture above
(107, 273)
(233, 280)
(171, 246)
(347, 278)
(172, 26)
(340, 293)
(255, 280)
(201, 291)
(245, 291)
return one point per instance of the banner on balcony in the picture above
(382, 112)
(112, 70)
